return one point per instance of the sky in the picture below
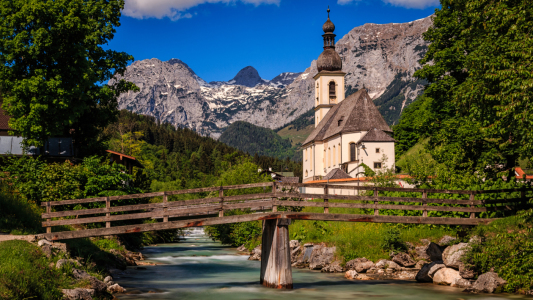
(217, 38)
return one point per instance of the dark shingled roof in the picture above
(329, 60)
(290, 179)
(376, 135)
(355, 113)
(336, 174)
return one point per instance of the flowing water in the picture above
(198, 268)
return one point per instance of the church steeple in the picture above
(329, 36)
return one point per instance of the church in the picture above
(349, 131)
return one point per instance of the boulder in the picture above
(404, 260)
(47, 250)
(461, 283)
(430, 251)
(42, 242)
(434, 268)
(425, 241)
(242, 248)
(302, 255)
(63, 262)
(446, 276)
(61, 247)
(420, 264)
(350, 274)
(80, 274)
(466, 272)
(428, 270)
(489, 282)
(387, 264)
(256, 253)
(334, 267)
(115, 288)
(295, 253)
(453, 254)
(294, 244)
(109, 281)
(78, 294)
(97, 285)
(321, 257)
(361, 265)
(446, 240)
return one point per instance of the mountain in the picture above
(380, 57)
(258, 140)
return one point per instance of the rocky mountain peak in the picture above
(247, 77)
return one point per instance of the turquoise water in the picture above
(199, 268)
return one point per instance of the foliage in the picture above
(368, 171)
(39, 182)
(52, 65)
(507, 249)
(392, 241)
(24, 273)
(413, 126)
(257, 140)
(18, 215)
(478, 100)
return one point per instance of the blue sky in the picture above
(217, 38)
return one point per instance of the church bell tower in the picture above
(329, 82)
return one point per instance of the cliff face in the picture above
(382, 58)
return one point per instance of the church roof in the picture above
(336, 174)
(376, 135)
(355, 113)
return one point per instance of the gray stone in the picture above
(475, 240)
(446, 240)
(350, 274)
(115, 288)
(241, 248)
(63, 262)
(446, 276)
(80, 274)
(489, 282)
(428, 270)
(404, 260)
(334, 267)
(256, 253)
(42, 242)
(97, 285)
(294, 243)
(387, 264)
(78, 294)
(420, 264)
(108, 279)
(465, 272)
(431, 251)
(361, 265)
(461, 283)
(453, 254)
(321, 257)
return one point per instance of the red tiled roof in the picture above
(520, 174)
(354, 179)
(121, 155)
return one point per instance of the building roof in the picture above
(329, 60)
(135, 162)
(290, 179)
(376, 135)
(337, 174)
(355, 113)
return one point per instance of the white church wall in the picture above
(348, 138)
(378, 152)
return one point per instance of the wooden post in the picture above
(424, 203)
(165, 207)
(107, 205)
(376, 211)
(48, 210)
(326, 207)
(221, 195)
(276, 269)
(274, 199)
(472, 214)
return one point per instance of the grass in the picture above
(296, 136)
(402, 160)
(19, 216)
(355, 240)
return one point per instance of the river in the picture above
(199, 268)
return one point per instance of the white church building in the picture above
(348, 131)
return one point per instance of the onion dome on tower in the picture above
(329, 60)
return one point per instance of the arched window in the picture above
(334, 157)
(340, 155)
(332, 94)
(306, 174)
(352, 151)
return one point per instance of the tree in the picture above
(481, 79)
(52, 66)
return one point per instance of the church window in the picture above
(306, 174)
(334, 157)
(340, 156)
(377, 150)
(332, 90)
(377, 165)
(352, 151)
(329, 157)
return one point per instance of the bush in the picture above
(391, 241)
(24, 273)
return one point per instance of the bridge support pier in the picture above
(276, 269)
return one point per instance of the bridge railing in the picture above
(281, 194)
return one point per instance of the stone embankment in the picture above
(94, 286)
(437, 263)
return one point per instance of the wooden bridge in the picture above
(276, 205)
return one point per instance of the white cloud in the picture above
(402, 3)
(413, 3)
(174, 9)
